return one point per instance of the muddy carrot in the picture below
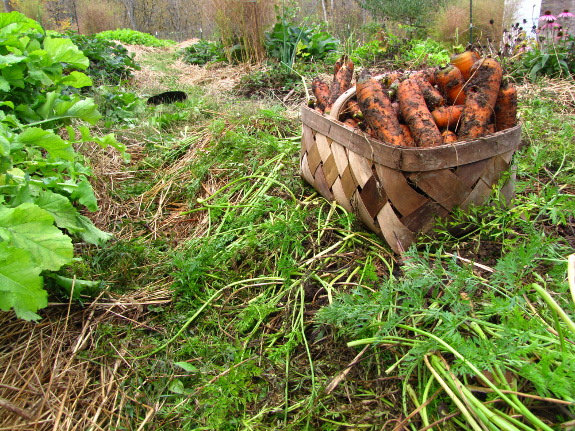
(417, 115)
(464, 61)
(433, 98)
(449, 137)
(409, 141)
(377, 110)
(450, 82)
(482, 91)
(506, 107)
(341, 79)
(447, 116)
(320, 90)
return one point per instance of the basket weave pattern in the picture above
(398, 192)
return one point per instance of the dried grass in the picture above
(560, 91)
(46, 383)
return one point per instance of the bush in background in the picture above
(110, 63)
(133, 37)
(203, 52)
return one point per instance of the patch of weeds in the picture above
(121, 263)
(272, 79)
(119, 107)
(203, 52)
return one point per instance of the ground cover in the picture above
(237, 298)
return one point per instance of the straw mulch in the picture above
(561, 91)
(46, 381)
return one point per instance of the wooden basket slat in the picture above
(399, 192)
(403, 197)
(373, 197)
(443, 186)
(395, 233)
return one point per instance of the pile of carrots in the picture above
(467, 99)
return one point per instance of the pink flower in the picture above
(565, 14)
(551, 25)
(547, 17)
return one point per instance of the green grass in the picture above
(276, 291)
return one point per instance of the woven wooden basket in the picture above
(399, 192)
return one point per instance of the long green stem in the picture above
(551, 302)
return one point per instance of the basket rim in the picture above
(410, 159)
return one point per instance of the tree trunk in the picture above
(7, 6)
(324, 10)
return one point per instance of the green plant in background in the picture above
(133, 37)
(557, 61)
(203, 52)
(285, 42)
(43, 180)
(110, 63)
(118, 106)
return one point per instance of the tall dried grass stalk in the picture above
(452, 22)
(241, 23)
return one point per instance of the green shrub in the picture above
(286, 41)
(43, 180)
(133, 37)
(204, 52)
(556, 60)
(110, 63)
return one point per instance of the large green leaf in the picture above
(54, 144)
(64, 51)
(67, 217)
(77, 80)
(31, 228)
(20, 283)
(15, 21)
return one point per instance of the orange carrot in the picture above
(482, 91)
(341, 79)
(506, 107)
(449, 137)
(321, 92)
(450, 82)
(417, 115)
(410, 142)
(350, 110)
(377, 110)
(433, 98)
(425, 74)
(447, 116)
(351, 123)
(464, 61)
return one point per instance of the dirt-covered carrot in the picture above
(350, 110)
(351, 122)
(482, 91)
(447, 116)
(417, 115)
(377, 111)
(341, 79)
(506, 106)
(449, 137)
(409, 141)
(425, 74)
(450, 81)
(320, 90)
(464, 61)
(433, 98)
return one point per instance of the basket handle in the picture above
(343, 99)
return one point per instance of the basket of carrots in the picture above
(401, 150)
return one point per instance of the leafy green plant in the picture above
(426, 53)
(555, 60)
(203, 52)
(118, 106)
(110, 63)
(285, 41)
(43, 180)
(133, 37)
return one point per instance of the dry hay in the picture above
(215, 78)
(109, 169)
(560, 91)
(47, 383)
